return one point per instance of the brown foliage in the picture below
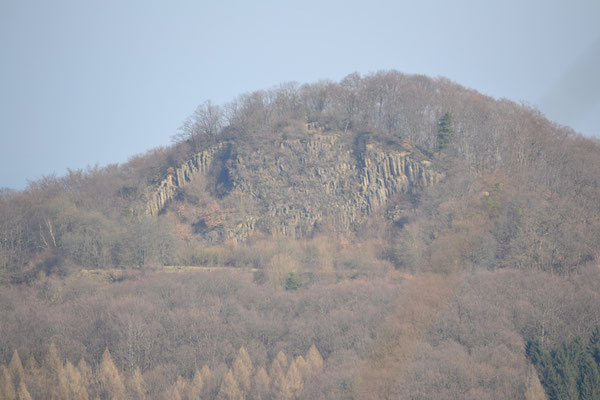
(229, 389)
(111, 383)
(383, 372)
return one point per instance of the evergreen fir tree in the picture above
(566, 373)
(542, 361)
(595, 336)
(445, 132)
(588, 382)
(594, 345)
(292, 282)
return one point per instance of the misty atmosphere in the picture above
(388, 233)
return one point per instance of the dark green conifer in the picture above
(292, 282)
(588, 382)
(445, 132)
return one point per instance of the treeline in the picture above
(489, 222)
(51, 226)
(171, 324)
(486, 133)
(421, 336)
(544, 178)
(55, 379)
(570, 371)
(475, 347)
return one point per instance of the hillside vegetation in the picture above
(423, 239)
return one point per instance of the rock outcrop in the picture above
(295, 185)
(168, 188)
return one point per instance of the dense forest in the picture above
(571, 370)
(385, 236)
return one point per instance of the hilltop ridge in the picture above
(303, 183)
(296, 161)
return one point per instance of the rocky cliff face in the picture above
(294, 185)
(166, 191)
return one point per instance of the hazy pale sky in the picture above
(86, 82)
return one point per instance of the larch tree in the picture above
(180, 386)
(23, 392)
(229, 389)
(244, 357)
(87, 376)
(194, 390)
(206, 373)
(242, 370)
(34, 377)
(303, 367)
(55, 379)
(7, 388)
(282, 359)
(534, 391)
(314, 359)
(293, 381)
(16, 369)
(260, 384)
(60, 387)
(111, 384)
(136, 386)
(76, 387)
(277, 374)
(52, 361)
(172, 393)
(31, 366)
(208, 380)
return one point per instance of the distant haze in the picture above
(97, 82)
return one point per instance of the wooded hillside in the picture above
(415, 232)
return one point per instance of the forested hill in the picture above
(298, 160)
(393, 222)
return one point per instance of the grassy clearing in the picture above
(186, 268)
